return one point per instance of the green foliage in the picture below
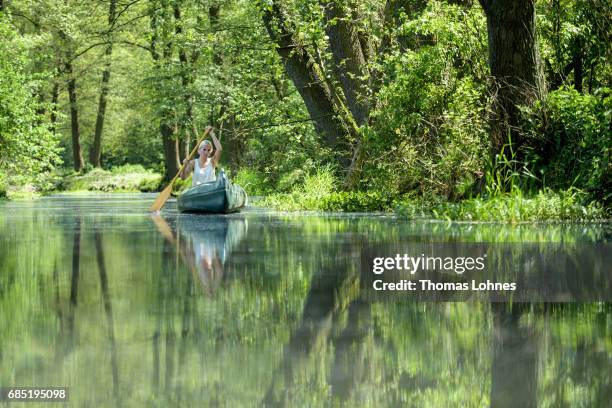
(428, 88)
(571, 32)
(289, 180)
(27, 147)
(307, 196)
(180, 185)
(546, 205)
(253, 182)
(573, 130)
(122, 178)
(357, 201)
(3, 187)
(430, 131)
(135, 141)
(319, 193)
(506, 172)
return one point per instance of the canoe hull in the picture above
(217, 197)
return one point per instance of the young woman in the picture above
(204, 166)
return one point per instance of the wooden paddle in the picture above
(165, 194)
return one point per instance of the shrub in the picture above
(149, 185)
(289, 180)
(573, 131)
(319, 193)
(357, 201)
(547, 205)
(253, 181)
(3, 186)
(180, 185)
(122, 178)
(429, 127)
(319, 184)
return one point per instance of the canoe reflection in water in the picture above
(204, 244)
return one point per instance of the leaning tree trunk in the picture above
(515, 66)
(301, 68)
(77, 154)
(349, 50)
(96, 149)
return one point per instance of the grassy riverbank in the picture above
(119, 179)
(514, 207)
(128, 178)
(319, 192)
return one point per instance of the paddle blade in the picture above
(161, 198)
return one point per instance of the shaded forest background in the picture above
(445, 99)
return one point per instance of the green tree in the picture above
(27, 146)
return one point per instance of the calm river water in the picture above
(269, 309)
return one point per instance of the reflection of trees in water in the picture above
(203, 245)
(66, 339)
(523, 374)
(338, 325)
(108, 311)
(579, 373)
(334, 290)
(74, 279)
(341, 340)
(349, 368)
(514, 369)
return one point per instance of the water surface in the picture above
(261, 308)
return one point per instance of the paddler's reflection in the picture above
(204, 244)
(207, 244)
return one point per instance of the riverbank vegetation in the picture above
(447, 109)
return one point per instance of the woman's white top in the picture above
(203, 174)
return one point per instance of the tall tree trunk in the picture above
(187, 125)
(217, 58)
(96, 149)
(54, 99)
(515, 66)
(213, 19)
(218, 116)
(167, 120)
(77, 154)
(578, 64)
(169, 143)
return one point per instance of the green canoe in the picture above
(219, 196)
